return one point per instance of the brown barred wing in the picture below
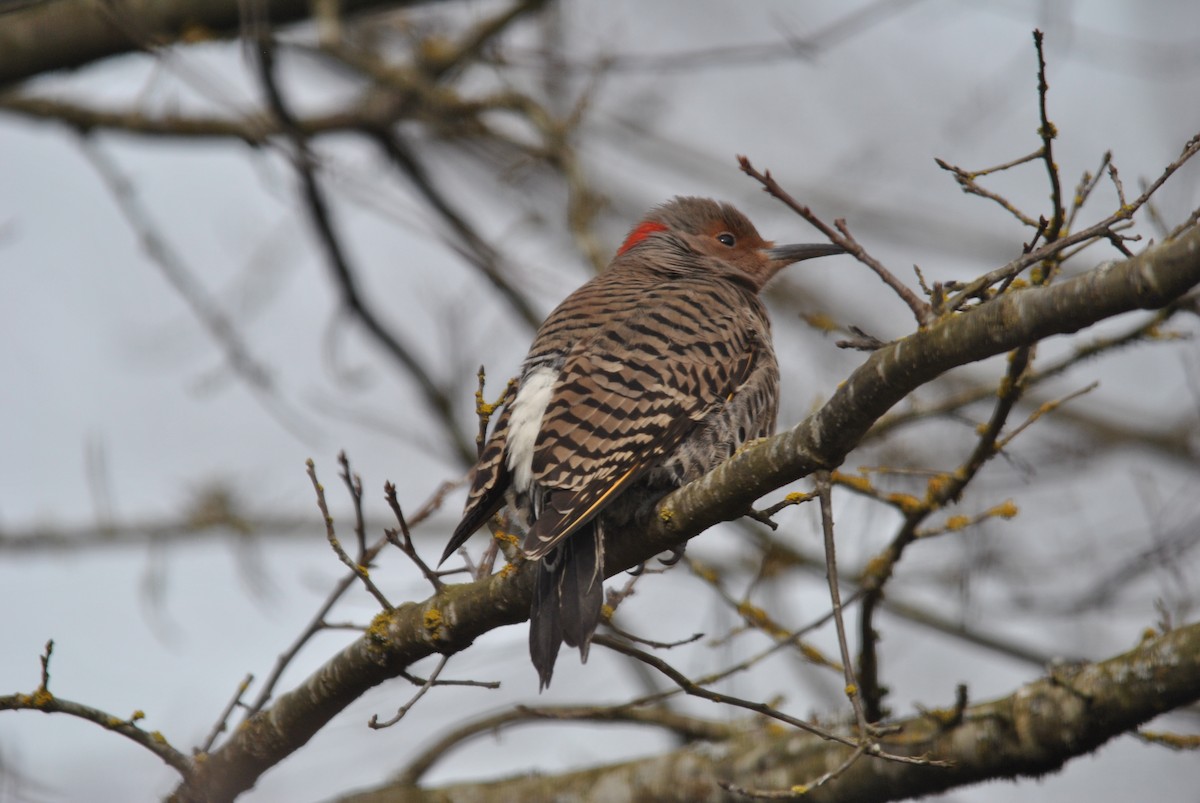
(490, 481)
(627, 397)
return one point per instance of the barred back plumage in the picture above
(642, 380)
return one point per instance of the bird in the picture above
(645, 378)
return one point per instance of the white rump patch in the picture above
(526, 422)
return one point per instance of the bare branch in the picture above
(223, 720)
(46, 702)
(176, 271)
(344, 274)
(1048, 131)
(84, 31)
(360, 569)
(374, 722)
(841, 236)
(1038, 728)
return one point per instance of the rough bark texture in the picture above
(449, 621)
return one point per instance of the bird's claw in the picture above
(676, 555)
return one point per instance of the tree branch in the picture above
(1033, 731)
(66, 34)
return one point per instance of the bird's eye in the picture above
(725, 238)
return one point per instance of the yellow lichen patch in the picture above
(800, 789)
(757, 617)
(507, 538)
(705, 572)
(666, 514)
(851, 690)
(158, 737)
(1155, 332)
(906, 502)
(875, 567)
(137, 715)
(363, 571)
(795, 497)
(821, 321)
(861, 484)
(937, 485)
(752, 613)
(378, 629)
(1005, 510)
(508, 570)
(433, 622)
(194, 33)
(958, 522)
(816, 656)
(482, 408)
(1175, 741)
(42, 697)
(606, 612)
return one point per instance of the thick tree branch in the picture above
(450, 620)
(1033, 731)
(66, 34)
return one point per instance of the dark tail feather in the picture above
(583, 589)
(545, 622)
(567, 599)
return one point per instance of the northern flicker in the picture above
(642, 380)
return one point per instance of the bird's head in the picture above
(679, 235)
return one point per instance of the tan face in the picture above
(739, 246)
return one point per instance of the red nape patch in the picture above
(644, 230)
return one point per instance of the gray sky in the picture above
(102, 356)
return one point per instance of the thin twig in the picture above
(469, 244)
(354, 486)
(222, 723)
(403, 538)
(374, 722)
(1048, 131)
(966, 180)
(318, 621)
(802, 790)
(974, 288)
(942, 490)
(840, 235)
(694, 689)
(172, 266)
(690, 728)
(360, 570)
(417, 680)
(835, 597)
(43, 700)
(1043, 409)
(1087, 183)
(344, 274)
